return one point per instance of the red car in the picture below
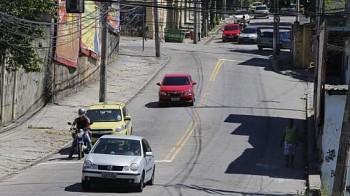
(231, 32)
(176, 88)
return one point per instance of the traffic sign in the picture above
(277, 19)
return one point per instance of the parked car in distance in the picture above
(231, 32)
(248, 35)
(253, 6)
(119, 160)
(265, 39)
(292, 9)
(261, 11)
(176, 88)
(238, 15)
(289, 10)
(109, 118)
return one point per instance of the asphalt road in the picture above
(227, 144)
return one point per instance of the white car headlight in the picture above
(88, 165)
(134, 167)
(121, 128)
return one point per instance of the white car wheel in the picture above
(151, 181)
(141, 184)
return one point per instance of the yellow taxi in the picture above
(108, 119)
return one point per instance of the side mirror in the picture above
(69, 123)
(158, 84)
(127, 118)
(149, 154)
(194, 83)
(91, 122)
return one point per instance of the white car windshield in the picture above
(249, 30)
(118, 146)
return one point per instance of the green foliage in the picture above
(17, 36)
(217, 19)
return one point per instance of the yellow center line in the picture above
(216, 70)
(193, 125)
(183, 142)
(175, 150)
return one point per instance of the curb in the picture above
(150, 79)
(314, 184)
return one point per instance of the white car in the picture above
(124, 160)
(248, 35)
(238, 15)
(261, 11)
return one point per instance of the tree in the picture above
(19, 26)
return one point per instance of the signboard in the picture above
(68, 36)
(89, 30)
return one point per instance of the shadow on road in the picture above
(99, 189)
(225, 192)
(265, 157)
(168, 105)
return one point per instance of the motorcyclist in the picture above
(243, 22)
(82, 122)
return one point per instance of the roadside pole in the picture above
(143, 29)
(297, 15)
(195, 29)
(276, 22)
(103, 78)
(156, 28)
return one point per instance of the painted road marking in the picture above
(193, 125)
(216, 70)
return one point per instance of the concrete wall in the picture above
(334, 111)
(27, 92)
(301, 45)
(163, 17)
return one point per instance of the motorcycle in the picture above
(78, 136)
(243, 25)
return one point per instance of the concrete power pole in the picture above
(103, 78)
(276, 22)
(223, 11)
(156, 28)
(195, 25)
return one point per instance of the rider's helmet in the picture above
(81, 111)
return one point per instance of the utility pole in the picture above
(143, 28)
(156, 28)
(276, 21)
(298, 10)
(103, 78)
(195, 28)
(223, 9)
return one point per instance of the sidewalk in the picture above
(41, 134)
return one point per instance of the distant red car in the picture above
(231, 32)
(176, 88)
